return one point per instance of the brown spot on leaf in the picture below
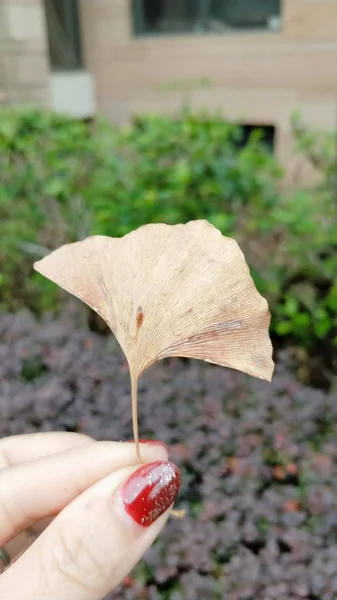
(139, 318)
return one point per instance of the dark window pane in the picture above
(218, 16)
(165, 16)
(266, 135)
(246, 14)
(64, 38)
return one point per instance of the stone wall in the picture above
(24, 68)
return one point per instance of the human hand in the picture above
(76, 515)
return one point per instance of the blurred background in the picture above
(116, 113)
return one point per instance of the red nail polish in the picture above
(152, 442)
(150, 491)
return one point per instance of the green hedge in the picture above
(62, 180)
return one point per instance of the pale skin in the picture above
(61, 522)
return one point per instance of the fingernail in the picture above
(150, 491)
(150, 442)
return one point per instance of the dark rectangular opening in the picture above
(64, 36)
(267, 134)
(202, 16)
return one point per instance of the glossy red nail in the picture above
(150, 491)
(152, 442)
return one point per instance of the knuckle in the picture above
(4, 460)
(10, 514)
(77, 557)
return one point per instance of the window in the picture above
(64, 38)
(266, 134)
(201, 16)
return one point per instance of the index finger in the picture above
(39, 489)
(21, 449)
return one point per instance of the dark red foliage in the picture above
(258, 460)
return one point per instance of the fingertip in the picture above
(149, 442)
(150, 450)
(150, 491)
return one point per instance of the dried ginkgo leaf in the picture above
(181, 290)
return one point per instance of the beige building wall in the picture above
(24, 65)
(257, 78)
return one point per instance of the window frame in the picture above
(139, 30)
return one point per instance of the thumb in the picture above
(98, 538)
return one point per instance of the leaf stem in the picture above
(134, 386)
